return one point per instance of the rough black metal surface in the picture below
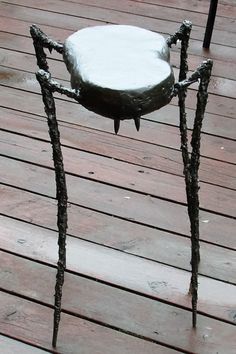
(205, 73)
(61, 195)
(191, 161)
(121, 71)
(190, 154)
(40, 41)
(182, 34)
(45, 79)
(210, 23)
(44, 41)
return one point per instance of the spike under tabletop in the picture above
(123, 72)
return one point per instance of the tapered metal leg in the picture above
(116, 125)
(191, 167)
(191, 161)
(62, 202)
(40, 41)
(137, 123)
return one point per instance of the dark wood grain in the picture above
(43, 17)
(129, 272)
(135, 152)
(106, 198)
(151, 18)
(30, 322)
(124, 235)
(101, 169)
(225, 8)
(10, 345)
(93, 300)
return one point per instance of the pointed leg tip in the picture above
(137, 123)
(116, 126)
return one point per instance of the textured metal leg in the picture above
(137, 123)
(191, 162)
(40, 41)
(191, 168)
(185, 35)
(192, 205)
(62, 202)
(116, 125)
(182, 35)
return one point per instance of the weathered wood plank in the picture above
(113, 201)
(123, 235)
(225, 8)
(167, 10)
(151, 319)
(32, 323)
(151, 18)
(10, 345)
(138, 153)
(135, 152)
(116, 268)
(105, 170)
(46, 18)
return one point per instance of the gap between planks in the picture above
(21, 27)
(45, 17)
(138, 313)
(100, 13)
(117, 234)
(120, 270)
(108, 172)
(131, 151)
(168, 115)
(138, 208)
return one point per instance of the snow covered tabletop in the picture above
(121, 71)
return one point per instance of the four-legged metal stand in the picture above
(191, 159)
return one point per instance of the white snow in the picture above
(117, 57)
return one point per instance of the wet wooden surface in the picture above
(126, 286)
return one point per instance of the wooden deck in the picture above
(128, 248)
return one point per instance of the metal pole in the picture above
(210, 23)
(41, 41)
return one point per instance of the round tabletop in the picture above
(122, 72)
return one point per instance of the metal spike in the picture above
(116, 125)
(137, 122)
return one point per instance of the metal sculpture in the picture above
(191, 159)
